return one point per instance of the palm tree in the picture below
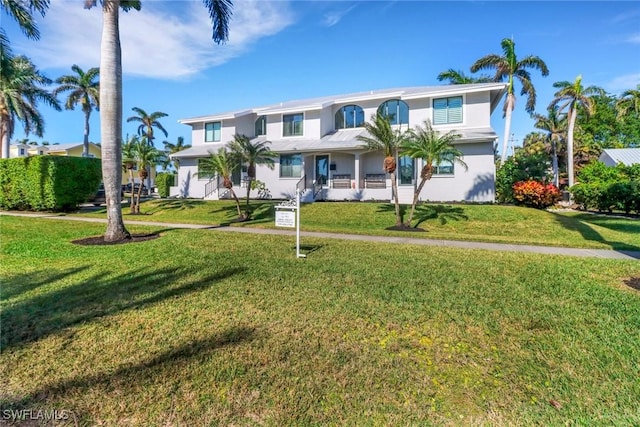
(556, 126)
(457, 77)
(20, 91)
(427, 144)
(251, 154)
(383, 137)
(222, 163)
(147, 123)
(146, 156)
(22, 12)
(571, 96)
(508, 67)
(128, 164)
(85, 90)
(629, 103)
(170, 149)
(111, 98)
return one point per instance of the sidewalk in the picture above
(550, 250)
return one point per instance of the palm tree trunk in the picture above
(507, 128)
(247, 214)
(132, 203)
(139, 195)
(4, 137)
(394, 188)
(235, 197)
(85, 146)
(111, 120)
(554, 162)
(416, 195)
(572, 123)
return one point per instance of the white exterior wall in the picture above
(476, 184)
(245, 125)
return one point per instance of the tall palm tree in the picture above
(111, 98)
(146, 157)
(170, 149)
(20, 91)
(572, 96)
(222, 163)
(251, 154)
(457, 77)
(147, 123)
(84, 89)
(555, 124)
(510, 68)
(383, 137)
(629, 103)
(433, 148)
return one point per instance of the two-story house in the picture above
(318, 151)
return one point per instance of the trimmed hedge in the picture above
(48, 183)
(164, 180)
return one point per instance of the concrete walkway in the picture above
(593, 253)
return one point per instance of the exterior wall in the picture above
(245, 125)
(476, 184)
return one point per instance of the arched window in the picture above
(349, 116)
(396, 110)
(261, 126)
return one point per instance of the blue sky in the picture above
(287, 50)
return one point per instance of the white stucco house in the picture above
(319, 153)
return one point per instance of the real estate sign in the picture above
(285, 218)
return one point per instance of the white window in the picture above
(447, 110)
(212, 131)
(290, 165)
(292, 124)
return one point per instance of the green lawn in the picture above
(202, 328)
(486, 223)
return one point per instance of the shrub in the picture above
(164, 180)
(48, 182)
(535, 194)
(521, 167)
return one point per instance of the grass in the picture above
(485, 223)
(192, 329)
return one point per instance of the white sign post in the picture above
(288, 215)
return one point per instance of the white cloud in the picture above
(165, 40)
(634, 38)
(332, 18)
(622, 83)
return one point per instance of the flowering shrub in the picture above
(535, 194)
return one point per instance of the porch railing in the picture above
(302, 184)
(212, 186)
(317, 188)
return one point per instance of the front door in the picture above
(322, 170)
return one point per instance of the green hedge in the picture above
(164, 180)
(607, 188)
(48, 183)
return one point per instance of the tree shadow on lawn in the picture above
(175, 205)
(260, 213)
(24, 282)
(87, 299)
(588, 233)
(128, 378)
(442, 213)
(616, 223)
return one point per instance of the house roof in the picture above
(343, 139)
(626, 156)
(404, 93)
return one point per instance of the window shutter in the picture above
(439, 111)
(455, 109)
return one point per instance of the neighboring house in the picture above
(319, 153)
(74, 150)
(626, 156)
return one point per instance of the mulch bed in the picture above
(406, 228)
(99, 240)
